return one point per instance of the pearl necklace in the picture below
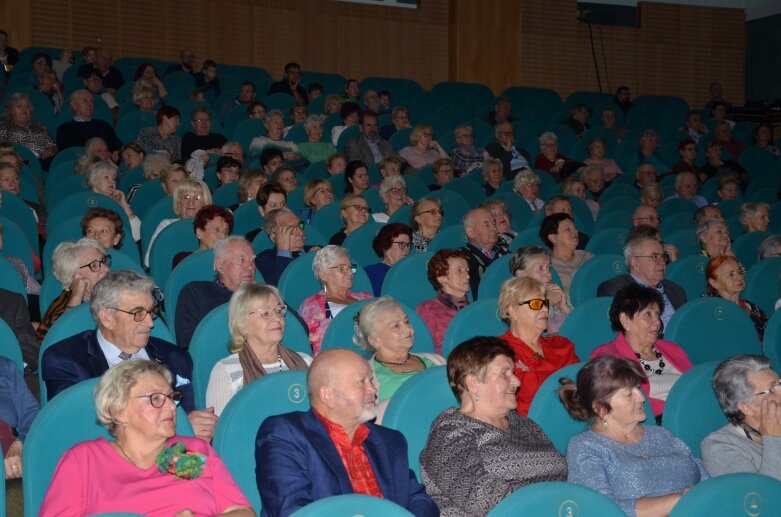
(389, 363)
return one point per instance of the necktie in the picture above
(124, 356)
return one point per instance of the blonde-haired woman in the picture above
(424, 150)
(256, 321)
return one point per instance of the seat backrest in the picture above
(746, 245)
(226, 195)
(480, 318)
(771, 344)
(359, 244)
(608, 240)
(237, 429)
(685, 240)
(160, 210)
(15, 243)
(494, 276)
(675, 205)
(762, 284)
(198, 266)
(211, 340)
(711, 329)
(67, 420)
(454, 204)
(592, 273)
(149, 193)
(353, 504)
(731, 494)
(692, 422)
(176, 237)
(246, 218)
(327, 220)
(407, 280)
(689, 273)
(15, 209)
(9, 346)
(588, 326)
(76, 204)
(451, 237)
(556, 498)
(415, 406)
(11, 280)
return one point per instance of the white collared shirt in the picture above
(111, 352)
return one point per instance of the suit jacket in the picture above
(358, 149)
(674, 292)
(79, 358)
(297, 463)
(271, 265)
(14, 312)
(196, 300)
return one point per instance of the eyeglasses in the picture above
(190, 197)
(267, 313)
(324, 190)
(95, 265)
(344, 268)
(656, 257)
(203, 120)
(652, 218)
(140, 314)
(536, 304)
(158, 399)
(771, 390)
(359, 208)
(433, 211)
(396, 191)
(403, 245)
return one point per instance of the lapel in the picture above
(97, 361)
(382, 463)
(325, 448)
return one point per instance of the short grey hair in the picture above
(547, 136)
(525, 178)
(221, 246)
(463, 129)
(731, 384)
(154, 162)
(325, 258)
(99, 168)
(631, 246)
(105, 294)
(370, 313)
(112, 392)
(274, 114)
(270, 221)
(65, 259)
(76, 94)
(227, 145)
(142, 92)
(769, 246)
(239, 308)
(749, 210)
(681, 175)
(492, 162)
(522, 256)
(313, 119)
(389, 181)
(707, 224)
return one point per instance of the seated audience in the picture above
(275, 125)
(283, 228)
(351, 91)
(686, 186)
(594, 178)
(649, 151)
(354, 211)
(18, 409)
(575, 186)
(241, 102)
(315, 149)
(10, 182)
(317, 194)
(393, 193)
(578, 119)
(201, 136)
(269, 197)
(146, 77)
(111, 76)
(623, 99)
(423, 149)
(642, 468)
(154, 166)
(207, 79)
(228, 170)
(334, 270)
(368, 147)
(295, 452)
(135, 403)
(713, 234)
(102, 179)
(687, 149)
(391, 165)
(747, 389)
(482, 247)
(755, 217)
(256, 320)
(707, 212)
(762, 137)
(635, 315)
(290, 83)
(503, 220)
(561, 204)
(391, 244)
(527, 185)
(349, 112)
(726, 279)
(651, 195)
(163, 137)
(16, 315)
(550, 160)
(501, 112)
(523, 306)
(234, 265)
(131, 156)
(104, 226)
(694, 127)
(333, 104)
(187, 63)
(465, 155)
(17, 127)
(356, 177)
(513, 158)
(492, 176)
(76, 132)
(448, 274)
(211, 224)
(607, 120)
(596, 150)
(535, 262)
(95, 150)
(399, 120)
(717, 97)
(652, 231)
(716, 165)
(426, 220)
(559, 233)
(481, 452)
(645, 174)
(723, 134)
(443, 171)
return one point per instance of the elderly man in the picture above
(368, 148)
(234, 150)
(291, 84)
(513, 158)
(112, 77)
(234, 262)
(187, 63)
(561, 204)
(694, 127)
(333, 448)
(201, 136)
(646, 215)
(686, 186)
(464, 154)
(646, 261)
(399, 120)
(246, 95)
(723, 134)
(284, 229)
(14, 312)
(501, 112)
(124, 312)
(76, 132)
(578, 119)
(482, 246)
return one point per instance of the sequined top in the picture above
(658, 464)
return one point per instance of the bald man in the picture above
(333, 449)
(482, 247)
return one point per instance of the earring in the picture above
(444, 284)
(476, 397)
(604, 424)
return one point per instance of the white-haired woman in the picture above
(713, 234)
(527, 185)
(334, 269)
(102, 179)
(426, 220)
(393, 192)
(275, 127)
(78, 266)
(314, 149)
(423, 149)
(755, 217)
(135, 402)
(549, 159)
(256, 320)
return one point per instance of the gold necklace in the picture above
(126, 455)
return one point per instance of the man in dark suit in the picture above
(291, 84)
(646, 261)
(369, 148)
(303, 457)
(124, 312)
(284, 230)
(13, 310)
(482, 247)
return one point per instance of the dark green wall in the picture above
(763, 58)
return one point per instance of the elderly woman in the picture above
(163, 137)
(522, 304)
(644, 469)
(18, 409)
(423, 149)
(651, 195)
(535, 262)
(314, 149)
(135, 402)
(748, 392)
(503, 220)
(726, 279)
(448, 274)
(250, 182)
(575, 186)
(762, 137)
(190, 196)
(391, 244)
(594, 177)
(334, 270)
(596, 150)
(383, 328)
(78, 266)
(393, 192)
(443, 171)
(102, 179)
(256, 320)
(349, 112)
(755, 217)
(479, 453)
(132, 155)
(104, 226)
(492, 176)
(145, 99)
(426, 219)
(336, 164)
(728, 188)
(17, 127)
(648, 151)
(549, 159)
(95, 150)
(713, 234)
(559, 233)
(635, 316)
(317, 194)
(275, 126)
(211, 223)
(770, 247)
(356, 177)
(527, 185)
(286, 178)
(354, 211)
